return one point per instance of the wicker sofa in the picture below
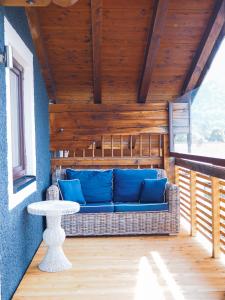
(126, 223)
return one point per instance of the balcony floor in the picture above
(134, 268)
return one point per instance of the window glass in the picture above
(17, 134)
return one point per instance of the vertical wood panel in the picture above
(193, 202)
(121, 146)
(215, 218)
(103, 141)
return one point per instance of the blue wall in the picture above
(20, 233)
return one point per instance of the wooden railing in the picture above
(202, 202)
(140, 150)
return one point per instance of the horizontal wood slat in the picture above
(209, 199)
(78, 161)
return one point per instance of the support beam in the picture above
(153, 43)
(96, 23)
(35, 30)
(215, 217)
(206, 45)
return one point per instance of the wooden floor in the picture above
(134, 268)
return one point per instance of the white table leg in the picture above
(54, 236)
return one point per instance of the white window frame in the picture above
(24, 57)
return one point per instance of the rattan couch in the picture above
(126, 223)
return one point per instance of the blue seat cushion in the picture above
(96, 184)
(153, 190)
(136, 206)
(107, 207)
(127, 183)
(71, 190)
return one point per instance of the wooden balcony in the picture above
(121, 268)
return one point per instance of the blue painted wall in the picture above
(20, 233)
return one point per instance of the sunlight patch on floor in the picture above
(147, 284)
(167, 276)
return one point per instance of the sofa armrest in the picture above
(52, 192)
(172, 197)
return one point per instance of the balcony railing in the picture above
(202, 201)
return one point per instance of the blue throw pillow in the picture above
(71, 190)
(127, 183)
(153, 190)
(96, 184)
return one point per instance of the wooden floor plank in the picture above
(134, 268)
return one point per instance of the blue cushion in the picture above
(125, 207)
(71, 190)
(127, 183)
(153, 190)
(96, 184)
(107, 207)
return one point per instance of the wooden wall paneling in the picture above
(124, 38)
(215, 217)
(96, 25)
(153, 43)
(77, 125)
(102, 162)
(35, 29)
(67, 36)
(193, 203)
(206, 45)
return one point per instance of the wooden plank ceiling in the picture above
(142, 51)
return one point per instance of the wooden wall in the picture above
(143, 128)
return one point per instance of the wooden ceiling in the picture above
(120, 51)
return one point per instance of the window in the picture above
(198, 120)
(21, 152)
(17, 122)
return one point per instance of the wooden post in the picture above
(93, 149)
(140, 145)
(149, 145)
(193, 203)
(215, 218)
(131, 145)
(121, 146)
(112, 145)
(160, 146)
(177, 175)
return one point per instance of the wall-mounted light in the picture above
(6, 57)
(31, 2)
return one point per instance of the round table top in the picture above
(53, 208)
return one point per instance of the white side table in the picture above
(54, 235)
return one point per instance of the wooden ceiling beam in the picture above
(96, 25)
(36, 34)
(155, 33)
(205, 48)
